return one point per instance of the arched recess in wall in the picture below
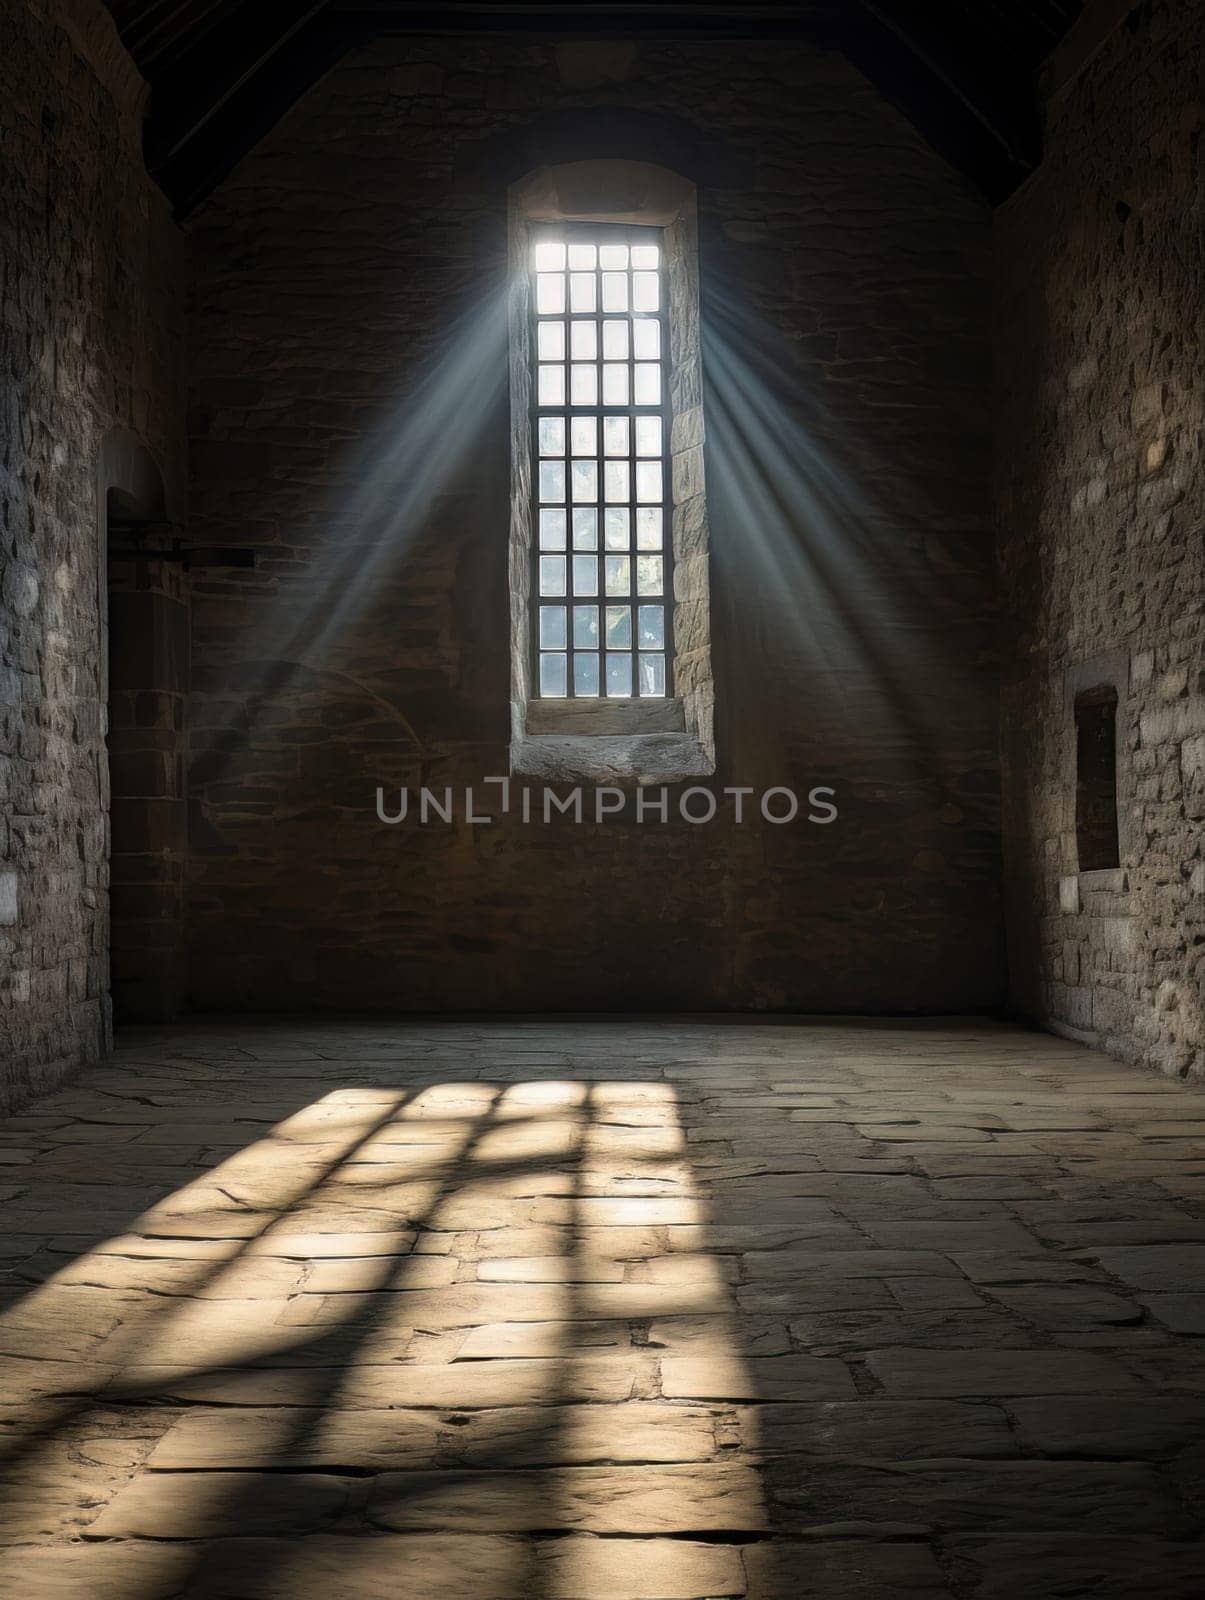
(608, 133)
(654, 674)
(127, 471)
(143, 679)
(618, 164)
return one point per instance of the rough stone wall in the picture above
(844, 286)
(1100, 490)
(91, 340)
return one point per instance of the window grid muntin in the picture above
(576, 592)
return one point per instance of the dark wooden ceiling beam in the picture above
(966, 89)
(196, 88)
(994, 91)
(253, 109)
(989, 131)
(157, 31)
(695, 22)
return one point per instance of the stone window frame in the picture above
(1110, 670)
(634, 741)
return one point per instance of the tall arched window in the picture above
(609, 549)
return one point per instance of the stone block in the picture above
(1181, 719)
(955, 1374)
(1072, 1004)
(1192, 757)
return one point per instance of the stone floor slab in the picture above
(1052, 1567)
(652, 1499)
(852, 1569)
(957, 1373)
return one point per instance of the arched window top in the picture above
(633, 193)
(126, 466)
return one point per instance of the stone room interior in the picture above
(602, 913)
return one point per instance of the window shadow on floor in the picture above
(459, 1397)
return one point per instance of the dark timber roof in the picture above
(223, 72)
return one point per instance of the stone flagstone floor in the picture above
(624, 1310)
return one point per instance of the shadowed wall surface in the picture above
(348, 282)
(1102, 523)
(92, 342)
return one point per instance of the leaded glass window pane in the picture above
(600, 433)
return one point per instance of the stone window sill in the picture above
(1097, 893)
(617, 758)
(608, 741)
(1109, 879)
(594, 717)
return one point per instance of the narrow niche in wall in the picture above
(147, 633)
(1096, 830)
